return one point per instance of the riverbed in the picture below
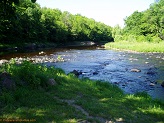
(132, 72)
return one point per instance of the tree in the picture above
(24, 22)
(9, 19)
(149, 23)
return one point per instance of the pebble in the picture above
(43, 59)
(135, 70)
(152, 84)
(3, 61)
(116, 82)
(162, 84)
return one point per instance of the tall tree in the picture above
(148, 23)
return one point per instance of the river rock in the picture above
(151, 72)
(146, 62)
(152, 84)
(3, 61)
(95, 73)
(162, 84)
(42, 52)
(75, 72)
(6, 81)
(116, 83)
(52, 82)
(135, 70)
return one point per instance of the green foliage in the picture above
(28, 22)
(141, 38)
(28, 74)
(118, 38)
(71, 97)
(142, 94)
(116, 31)
(149, 23)
(137, 46)
(7, 97)
(131, 38)
(10, 26)
(143, 31)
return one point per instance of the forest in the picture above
(24, 21)
(145, 26)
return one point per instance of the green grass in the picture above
(136, 46)
(35, 100)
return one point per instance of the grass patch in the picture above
(34, 99)
(137, 46)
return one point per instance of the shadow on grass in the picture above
(128, 108)
(39, 106)
(98, 99)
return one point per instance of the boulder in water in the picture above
(135, 70)
(162, 84)
(76, 73)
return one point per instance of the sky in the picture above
(110, 12)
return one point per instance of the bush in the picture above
(118, 38)
(131, 38)
(149, 38)
(141, 38)
(28, 74)
(156, 39)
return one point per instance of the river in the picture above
(117, 67)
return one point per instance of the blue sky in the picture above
(110, 12)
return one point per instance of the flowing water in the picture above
(113, 66)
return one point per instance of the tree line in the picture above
(24, 21)
(147, 25)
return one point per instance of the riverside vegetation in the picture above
(137, 46)
(71, 99)
(143, 31)
(23, 22)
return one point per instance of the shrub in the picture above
(156, 39)
(149, 38)
(132, 38)
(118, 38)
(28, 74)
(141, 38)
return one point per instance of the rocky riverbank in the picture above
(132, 72)
(47, 94)
(36, 59)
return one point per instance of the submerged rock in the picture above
(162, 84)
(151, 72)
(135, 70)
(76, 73)
(95, 73)
(152, 84)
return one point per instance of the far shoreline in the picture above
(136, 47)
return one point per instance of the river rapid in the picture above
(132, 72)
